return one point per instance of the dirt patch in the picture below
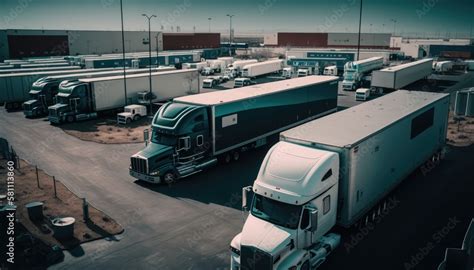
(460, 130)
(107, 131)
(66, 204)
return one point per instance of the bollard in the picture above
(85, 209)
(54, 183)
(37, 177)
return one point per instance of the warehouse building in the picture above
(327, 40)
(445, 48)
(19, 43)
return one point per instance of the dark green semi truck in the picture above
(191, 133)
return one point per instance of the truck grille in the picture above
(252, 258)
(139, 165)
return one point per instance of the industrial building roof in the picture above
(403, 66)
(247, 92)
(350, 126)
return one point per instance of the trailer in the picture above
(397, 77)
(443, 66)
(333, 171)
(15, 87)
(191, 133)
(23, 70)
(198, 65)
(262, 68)
(355, 71)
(330, 70)
(235, 69)
(45, 89)
(84, 98)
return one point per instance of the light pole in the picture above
(209, 19)
(149, 56)
(123, 56)
(394, 25)
(360, 26)
(230, 33)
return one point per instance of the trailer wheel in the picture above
(236, 155)
(227, 158)
(169, 178)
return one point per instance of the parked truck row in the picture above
(191, 133)
(320, 175)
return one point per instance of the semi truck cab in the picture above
(293, 208)
(42, 93)
(180, 145)
(73, 102)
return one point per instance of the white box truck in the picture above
(262, 68)
(84, 98)
(397, 77)
(334, 171)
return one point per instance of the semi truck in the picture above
(235, 69)
(15, 87)
(443, 66)
(262, 68)
(397, 77)
(85, 98)
(335, 170)
(44, 89)
(355, 71)
(191, 133)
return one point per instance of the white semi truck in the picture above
(262, 68)
(355, 71)
(334, 171)
(397, 77)
(443, 66)
(235, 69)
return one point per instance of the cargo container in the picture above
(397, 77)
(84, 98)
(15, 87)
(191, 133)
(262, 68)
(45, 89)
(332, 171)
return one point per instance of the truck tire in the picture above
(236, 155)
(128, 121)
(136, 117)
(70, 118)
(169, 178)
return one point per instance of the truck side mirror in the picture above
(313, 217)
(245, 195)
(146, 136)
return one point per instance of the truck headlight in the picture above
(155, 173)
(235, 251)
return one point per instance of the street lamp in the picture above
(394, 25)
(209, 19)
(149, 56)
(230, 33)
(123, 55)
(360, 26)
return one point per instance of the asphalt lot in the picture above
(189, 225)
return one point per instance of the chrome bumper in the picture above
(145, 177)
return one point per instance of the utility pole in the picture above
(360, 26)
(394, 25)
(209, 19)
(149, 57)
(123, 56)
(230, 34)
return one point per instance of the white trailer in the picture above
(262, 68)
(227, 60)
(235, 68)
(23, 70)
(198, 65)
(107, 93)
(335, 171)
(330, 71)
(216, 65)
(397, 77)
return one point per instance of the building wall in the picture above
(187, 41)
(367, 40)
(411, 49)
(3, 45)
(286, 39)
(270, 39)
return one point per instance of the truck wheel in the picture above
(70, 118)
(169, 178)
(136, 117)
(236, 155)
(128, 121)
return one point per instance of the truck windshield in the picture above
(278, 213)
(163, 139)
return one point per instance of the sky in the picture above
(444, 18)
